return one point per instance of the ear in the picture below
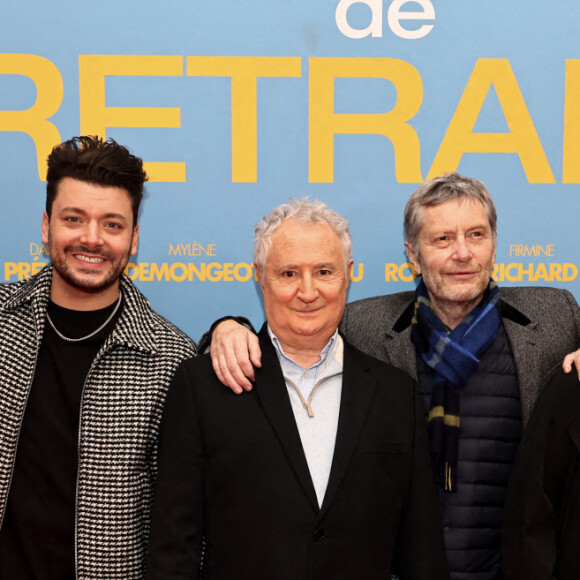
(258, 275)
(44, 227)
(135, 240)
(413, 258)
(349, 271)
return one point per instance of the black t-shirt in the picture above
(38, 532)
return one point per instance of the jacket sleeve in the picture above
(175, 541)
(421, 548)
(529, 535)
(537, 503)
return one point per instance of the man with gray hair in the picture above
(322, 471)
(481, 355)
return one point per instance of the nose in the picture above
(462, 250)
(91, 235)
(308, 291)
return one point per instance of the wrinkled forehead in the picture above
(305, 244)
(449, 212)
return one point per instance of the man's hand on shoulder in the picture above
(572, 360)
(235, 351)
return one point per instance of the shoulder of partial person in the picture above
(562, 395)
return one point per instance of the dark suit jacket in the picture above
(542, 324)
(232, 470)
(541, 539)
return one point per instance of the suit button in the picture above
(318, 535)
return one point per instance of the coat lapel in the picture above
(358, 387)
(400, 351)
(523, 335)
(272, 392)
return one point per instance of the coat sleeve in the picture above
(175, 541)
(536, 506)
(421, 548)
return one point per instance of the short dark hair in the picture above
(91, 159)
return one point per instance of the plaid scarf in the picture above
(453, 357)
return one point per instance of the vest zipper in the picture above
(307, 403)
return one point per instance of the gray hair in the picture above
(306, 213)
(440, 190)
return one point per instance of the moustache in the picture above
(84, 250)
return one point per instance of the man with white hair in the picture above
(320, 472)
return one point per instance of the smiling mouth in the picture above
(89, 259)
(462, 273)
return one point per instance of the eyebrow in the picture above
(322, 265)
(109, 215)
(451, 230)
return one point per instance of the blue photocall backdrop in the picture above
(238, 105)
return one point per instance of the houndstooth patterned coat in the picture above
(121, 408)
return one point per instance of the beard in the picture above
(444, 292)
(87, 278)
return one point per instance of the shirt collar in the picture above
(333, 351)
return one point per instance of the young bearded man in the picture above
(85, 365)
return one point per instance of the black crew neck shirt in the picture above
(37, 537)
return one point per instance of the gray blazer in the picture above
(542, 324)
